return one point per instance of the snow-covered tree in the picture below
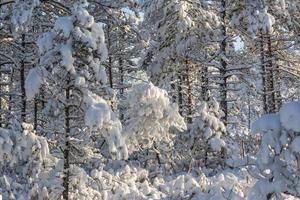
(70, 67)
(149, 116)
(267, 29)
(176, 42)
(150, 122)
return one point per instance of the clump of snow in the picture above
(100, 117)
(99, 70)
(267, 21)
(216, 144)
(22, 13)
(67, 58)
(97, 114)
(64, 24)
(296, 145)
(80, 81)
(45, 42)
(83, 16)
(33, 83)
(290, 116)
(265, 123)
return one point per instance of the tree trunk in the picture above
(173, 89)
(35, 121)
(66, 150)
(189, 93)
(269, 80)
(180, 95)
(263, 71)
(1, 122)
(109, 59)
(204, 83)
(22, 81)
(121, 71)
(223, 85)
(10, 88)
(276, 96)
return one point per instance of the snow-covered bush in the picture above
(149, 116)
(25, 163)
(204, 142)
(209, 126)
(134, 183)
(278, 158)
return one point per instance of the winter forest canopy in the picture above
(152, 99)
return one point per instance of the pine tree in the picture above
(70, 67)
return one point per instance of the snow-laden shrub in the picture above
(25, 162)
(134, 183)
(207, 127)
(149, 116)
(278, 157)
(204, 142)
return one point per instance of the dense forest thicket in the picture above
(153, 99)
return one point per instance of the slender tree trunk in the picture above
(1, 109)
(35, 120)
(189, 93)
(276, 95)
(204, 84)
(10, 89)
(263, 62)
(121, 71)
(22, 79)
(223, 86)
(249, 110)
(66, 151)
(109, 59)
(269, 70)
(180, 95)
(42, 106)
(173, 88)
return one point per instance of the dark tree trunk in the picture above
(173, 88)
(263, 72)
(121, 71)
(11, 85)
(189, 93)
(66, 150)
(1, 109)
(22, 81)
(204, 84)
(110, 63)
(223, 85)
(268, 74)
(180, 95)
(270, 78)
(35, 120)
(276, 96)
